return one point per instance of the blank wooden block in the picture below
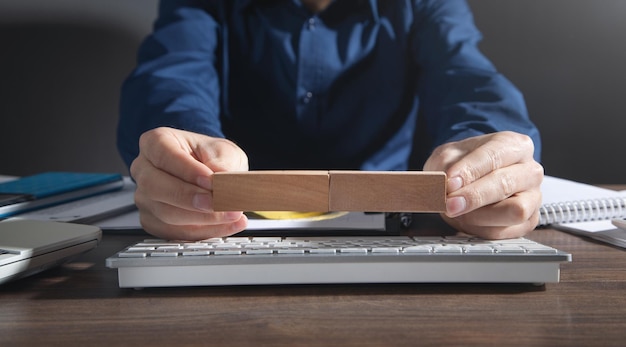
(271, 191)
(388, 191)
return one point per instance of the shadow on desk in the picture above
(73, 283)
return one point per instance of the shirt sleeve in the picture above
(461, 92)
(175, 82)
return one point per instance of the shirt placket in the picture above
(310, 70)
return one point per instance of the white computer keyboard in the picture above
(349, 259)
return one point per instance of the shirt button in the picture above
(311, 23)
(307, 97)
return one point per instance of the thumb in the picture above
(220, 154)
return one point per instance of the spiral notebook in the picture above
(583, 209)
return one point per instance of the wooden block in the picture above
(320, 191)
(271, 191)
(388, 191)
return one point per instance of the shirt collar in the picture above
(371, 4)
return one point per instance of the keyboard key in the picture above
(213, 240)
(538, 248)
(265, 239)
(259, 251)
(132, 254)
(196, 252)
(164, 254)
(418, 249)
(197, 245)
(385, 249)
(510, 249)
(141, 249)
(448, 249)
(322, 251)
(478, 249)
(154, 244)
(169, 247)
(227, 252)
(290, 251)
(353, 250)
(227, 246)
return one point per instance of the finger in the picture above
(515, 210)
(491, 153)
(496, 233)
(173, 215)
(154, 185)
(494, 187)
(219, 154)
(166, 149)
(190, 232)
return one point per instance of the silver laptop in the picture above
(28, 247)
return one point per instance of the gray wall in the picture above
(62, 62)
(568, 58)
(61, 66)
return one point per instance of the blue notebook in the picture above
(51, 188)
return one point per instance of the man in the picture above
(321, 84)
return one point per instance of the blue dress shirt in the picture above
(364, 84)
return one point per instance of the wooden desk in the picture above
(81, 304)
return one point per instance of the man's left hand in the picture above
(493, 184)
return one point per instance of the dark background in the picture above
(568, 57)
(62, 63)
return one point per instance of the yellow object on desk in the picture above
(281, 215)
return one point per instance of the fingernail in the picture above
(205, 182)
(202, 202)
(456, 205)
(454, 184)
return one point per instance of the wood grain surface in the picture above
(81, 304)
(322, 191)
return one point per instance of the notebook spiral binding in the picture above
(582, 211)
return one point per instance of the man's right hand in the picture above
(174, 176)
